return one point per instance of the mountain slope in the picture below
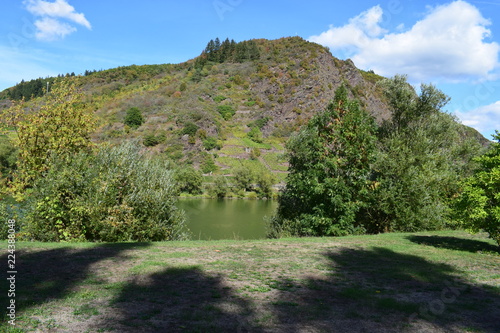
(245, 105)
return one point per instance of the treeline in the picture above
(228, 51)
(244, 183)
(28, 89)
(35, 88)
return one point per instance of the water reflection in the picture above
(227, 219)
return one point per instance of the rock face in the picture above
(302, 80)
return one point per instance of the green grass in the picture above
(383, 283)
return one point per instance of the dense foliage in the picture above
(329, 181)
(344, 180)
(478, 206)
(114, 194)
(61, 126)
(422, 155)
(189, 180)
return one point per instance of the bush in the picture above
(265, 182)
(113, 195)
(255, 153)
(152, 140)
(226, 111)
(219, 98)
(190, 129)
(211, 143)
(255, 135)
(134, 118)
(189, 180)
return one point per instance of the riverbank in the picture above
(432, 282)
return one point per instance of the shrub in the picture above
(226, 111)
(255, 135)
(190, 129)
(219, 98)
(8, 156)
(151, 140)
(134, 118)
(211, 143)
(255, 153)
(112, 195)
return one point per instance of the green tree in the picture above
(208, 165)
(243, 178)
(134, 118)
(422, 154)
(329, 172)
(264, 181)
(189, 180)
(478, 206)
(60, 125)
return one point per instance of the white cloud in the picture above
(485, 119)
(49, 29)
(448, 43)
(50, 25)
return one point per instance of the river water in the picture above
(211, 219)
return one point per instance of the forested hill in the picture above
(235, 103)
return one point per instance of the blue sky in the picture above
(452, 44)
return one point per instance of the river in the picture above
(211, 219)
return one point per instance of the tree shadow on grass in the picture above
(455, 243)
(55, 274)
(379, 290)
(179, 299)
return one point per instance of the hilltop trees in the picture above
(329, 174)
(228, 51)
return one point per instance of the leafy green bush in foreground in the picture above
(113, 195)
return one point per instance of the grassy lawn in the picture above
(423, 282)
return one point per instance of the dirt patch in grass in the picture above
(426, 282)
